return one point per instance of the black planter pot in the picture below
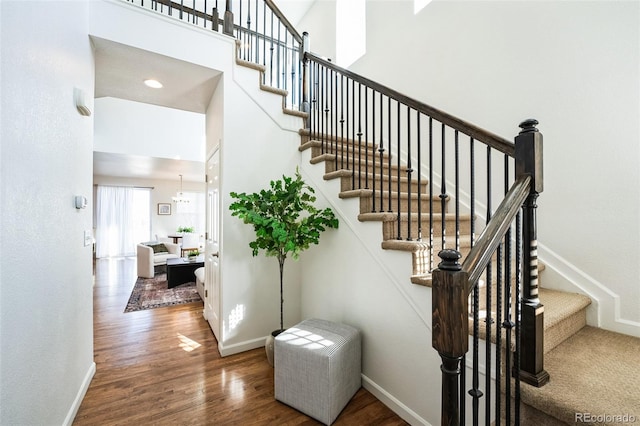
(270, 344)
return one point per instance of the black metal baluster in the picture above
(241, 33)
(325, 130)
(272, 49)
(314, 101)
(264, 42)
(398, 147)
(431, 257)
(353, 134)
(472, 191)
(257, 42)
(488, 319)
(475, 391)
(409, 172)
(366, 137)
(278, 54)
(342, 120)
(248, 39)
(381, 151)
(518, 323)
(457, 188)
(359, 136)
(373, 150)
(330, 118)
(443, 187)
(296, 60)
(336, 120)
(285, 67)
(420, 185)
(320, 110)
(499, 284)
(389, 153)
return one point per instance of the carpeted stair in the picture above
(592, 371)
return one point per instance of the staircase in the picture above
(594, 373)
(565, 331)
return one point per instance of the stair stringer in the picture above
(247, 77)
(349, 278)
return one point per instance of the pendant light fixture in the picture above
(179, 198)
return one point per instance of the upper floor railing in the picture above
(433, 179)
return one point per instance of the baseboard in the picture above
(71, 415)
(236, 348)
(396, 406)
(605, 309)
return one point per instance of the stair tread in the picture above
(415, 245)
(348, 173)
(353, 193)
(404, 217)
(594, 371)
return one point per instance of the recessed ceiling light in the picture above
(153, 83)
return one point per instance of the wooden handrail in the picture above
(490, 238)
(284, 20)
(187, 10)
(479, 134)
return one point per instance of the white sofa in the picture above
(199, 273)
(148, 259)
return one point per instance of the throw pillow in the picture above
(159, 248)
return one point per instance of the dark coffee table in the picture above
(180, 271)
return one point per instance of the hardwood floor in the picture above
(161, 366)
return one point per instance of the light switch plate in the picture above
(88, 238)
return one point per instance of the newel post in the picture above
(528, 151)
(215, 18)
(228, 20)
(305, 107)
(450, 334)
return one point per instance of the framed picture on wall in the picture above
(164, 208)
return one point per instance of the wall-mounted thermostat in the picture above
(81, 202)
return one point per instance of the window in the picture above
(123, 219)
(350, 25)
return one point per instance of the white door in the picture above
(212, 246)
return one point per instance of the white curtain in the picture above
(120, 220)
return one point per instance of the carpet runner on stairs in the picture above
(595, 377)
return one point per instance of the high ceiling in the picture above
(121, 71)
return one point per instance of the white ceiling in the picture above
(119, 72)
(136, 166)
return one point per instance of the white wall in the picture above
(136, 128)
(259, 145)
(572, 65)
(46, 301)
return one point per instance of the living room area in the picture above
(149, 187)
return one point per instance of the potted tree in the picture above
(285, 222)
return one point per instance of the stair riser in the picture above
(366, 204)
(348, 152)
(349, 183)
(363, 167)
(390, 229)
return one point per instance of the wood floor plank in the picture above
(162, 367)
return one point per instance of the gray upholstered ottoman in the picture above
(318, 367)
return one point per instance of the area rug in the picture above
(149, 293)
